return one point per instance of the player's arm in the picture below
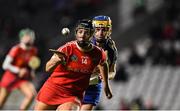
(112, 67)
(103, 67)
(104, 72)
(7, 65)
(56, 59)
(52, 63)
(112, 71)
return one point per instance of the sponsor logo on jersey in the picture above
(81, 70)
(74, 58)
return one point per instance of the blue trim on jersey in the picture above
(93, 40)
(92, 94)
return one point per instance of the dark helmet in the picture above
(85, 24)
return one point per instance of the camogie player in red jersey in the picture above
(18, 73)
(71, 66)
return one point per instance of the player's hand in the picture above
(23, 72)
(55, 59)
(58, 53)
(108, 92)
(58, 57)
(111, 75)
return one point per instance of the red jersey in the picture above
(21, 58)
(78, 68)
(73, 77)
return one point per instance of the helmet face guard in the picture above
(87, 25)
(103, 22)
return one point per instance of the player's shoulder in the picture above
(110, 42)
(71, 43)
(16, 47)
(68, 46)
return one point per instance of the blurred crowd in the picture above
(159, 46)
(137, 104)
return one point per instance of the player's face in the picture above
(101, 33)
(27, 40)
(83, 35)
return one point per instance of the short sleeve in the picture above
(115, 54)
(66, 49)
(62, 48)
(13, 52)
(112, 51)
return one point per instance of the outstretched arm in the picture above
(55, 60)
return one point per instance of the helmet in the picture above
(102, 21)
(86, 24)
(28, 32)
(27, 43)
